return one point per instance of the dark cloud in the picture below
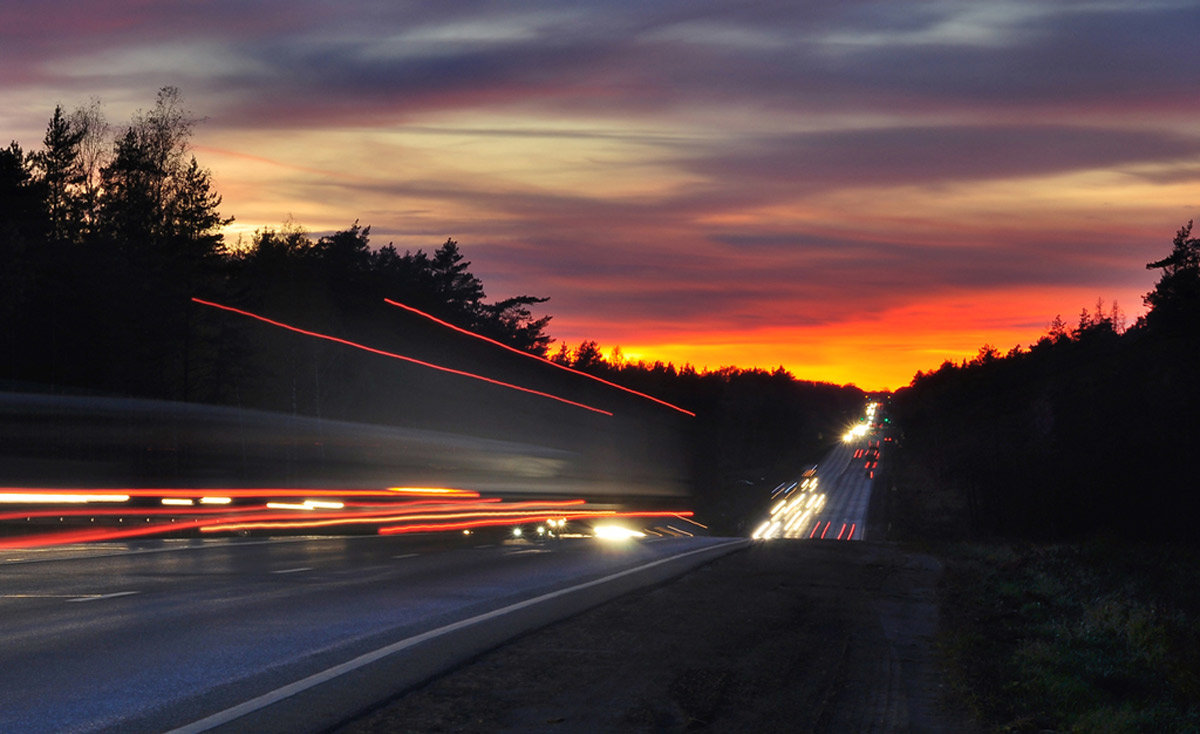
(934, 154)
(662, 250)
(314, 63)
(796, 277)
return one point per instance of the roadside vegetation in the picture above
(1093, 637)
(108, 232)
(753, 428)
(1058, 484)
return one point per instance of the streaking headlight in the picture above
(60, 498)
(616, 532)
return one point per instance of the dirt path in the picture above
(795, 636)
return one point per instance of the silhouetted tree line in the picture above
(753, 427)
(1092, 430)
(105, 239)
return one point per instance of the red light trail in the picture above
(92, 535)
(470, 524)
(400, 357)
(543, 360)
(249, 492)
(437, 510)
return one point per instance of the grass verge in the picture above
(1082, 638)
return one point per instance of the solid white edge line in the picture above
(316, 679)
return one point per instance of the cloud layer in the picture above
(832, 186)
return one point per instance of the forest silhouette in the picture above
(1089, 432)
(104, 250)
(107, 240)
(112, 244)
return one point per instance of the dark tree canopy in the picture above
(1089, 431)
(753, 427)
(62, 175)
(1175, 301)
(119, 234)
(105, 241)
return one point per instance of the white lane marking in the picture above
(293, 570)
(407, 555)
(38, 596)
(525, 550)
(98, 597)
(316, 679)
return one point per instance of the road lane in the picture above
(830, 500)
(176, 630)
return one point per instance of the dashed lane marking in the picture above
(98, 597)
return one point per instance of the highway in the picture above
(830, 500)
(285, 634)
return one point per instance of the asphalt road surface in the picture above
(829, 501)
(847, 484)
(192, 634)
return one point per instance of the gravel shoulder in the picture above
(782, 636)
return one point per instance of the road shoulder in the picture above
(789, 635)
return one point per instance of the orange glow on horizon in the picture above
(886, 350)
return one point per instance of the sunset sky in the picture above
(853, 190)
